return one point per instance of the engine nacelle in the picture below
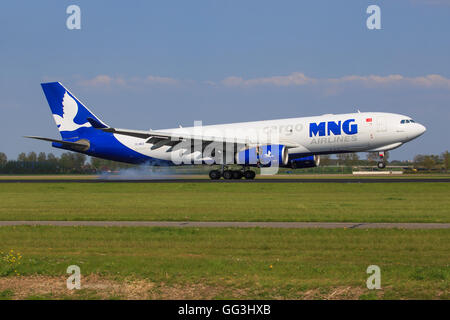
(305, 162)
(265, 156)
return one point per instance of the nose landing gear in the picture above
(381, 163)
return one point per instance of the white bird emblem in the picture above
(70, 110)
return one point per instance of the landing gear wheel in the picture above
(237, 174)
(214, 174)
(381, 165)
(228, 174)
(249, 174)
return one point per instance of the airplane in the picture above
(293, 143)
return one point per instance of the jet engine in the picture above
(265, 156)
(305, 162)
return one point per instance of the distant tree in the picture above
(348, 159)
(429, 162)
(65, 162)
(22, 157)
(372, 156)
(446, 160)
(32, 157)
(426, 161)
(51, 158)
(3, 159)
(353, 159)
(342, 158)
(96, 163)
(103, 164)
(325, 160)
(72, 162)
(399, 163)
(42, 157)
(79, 160)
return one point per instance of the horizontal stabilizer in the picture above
(77, 145)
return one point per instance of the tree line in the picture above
(67, 163)
(421, 161)
(77, 163)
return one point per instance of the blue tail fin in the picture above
(69, 113)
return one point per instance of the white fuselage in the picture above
(325, 134)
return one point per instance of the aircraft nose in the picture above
(420, 129)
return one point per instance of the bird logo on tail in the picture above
(70, 111)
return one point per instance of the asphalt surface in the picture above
(217, 224)
(257, 180)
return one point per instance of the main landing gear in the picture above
(381, 163)
(214, 174)
(232, 174)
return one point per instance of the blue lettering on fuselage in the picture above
(315, 129)
(322, 129)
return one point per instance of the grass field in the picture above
(215, 263)
(225, 263)
(399, 202)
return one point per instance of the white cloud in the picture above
(101, 80)
(161, 80)
(300, 79)
(293, 79)
(428, 81)
(368, 80)
(431, 80)
(106, 81)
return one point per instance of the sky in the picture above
(160, 64)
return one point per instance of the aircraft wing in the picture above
(157, 136)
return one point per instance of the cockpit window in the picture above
(407, 121)
(402, 122)
(412, 121)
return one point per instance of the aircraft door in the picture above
(378, 131)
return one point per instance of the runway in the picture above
(223, 224)
(257, 180)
